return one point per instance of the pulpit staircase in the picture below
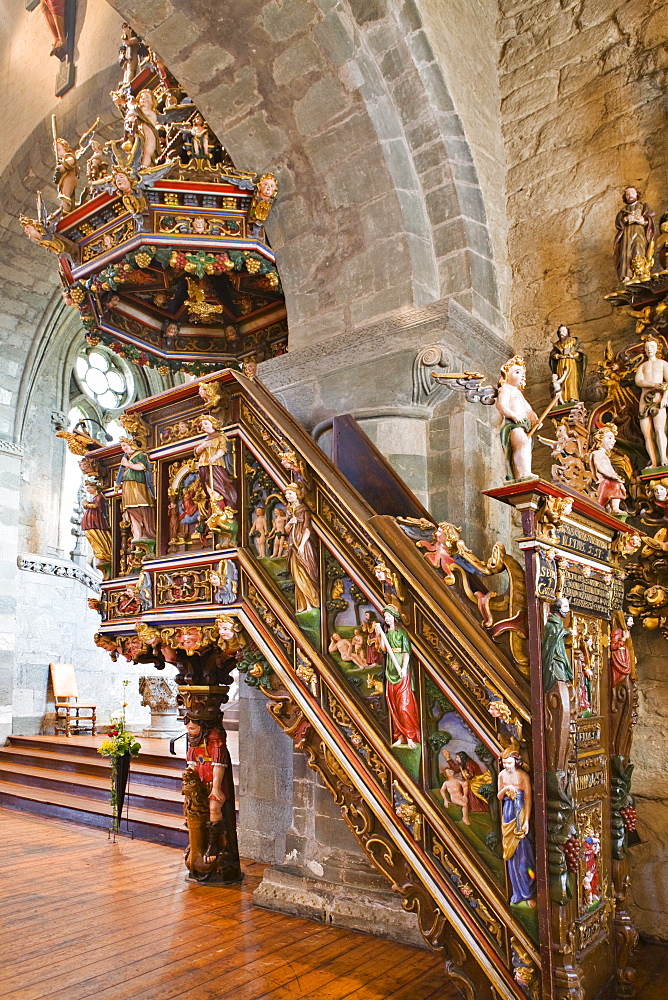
(470, 667)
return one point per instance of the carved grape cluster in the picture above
(178, 260)
(630, 816)
(571, 851)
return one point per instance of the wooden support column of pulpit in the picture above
(583, 697)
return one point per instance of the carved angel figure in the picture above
(129, 177)
(263, 199)
(42, 230)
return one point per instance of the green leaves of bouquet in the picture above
(119, 742)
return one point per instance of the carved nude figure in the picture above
(457, 790)
(259, 531)
(519, 418)
(652, 379)
(344, 647)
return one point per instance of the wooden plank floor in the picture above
(81, 917)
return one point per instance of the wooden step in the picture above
(65, 777)
(145, 824)
(93, 787)
(94, 766)
(75, 747)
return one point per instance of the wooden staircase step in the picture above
(66, 778)
(93, 765)
(145, 824)
(76, 748)
(91, 786)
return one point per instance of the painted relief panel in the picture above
(202, 492)
(281, 535)
(462, 777)
(587, 660)
(591, 888)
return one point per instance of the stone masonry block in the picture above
(335, 39)
(282, 21)
(443, 204)
(178, 26)
(299, 59)
(322, 102)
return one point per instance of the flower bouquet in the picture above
(120, 746)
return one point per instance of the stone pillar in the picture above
(10, 465)
(265, 780)
(325, 874)
(159, 693)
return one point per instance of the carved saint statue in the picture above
(652, 379)
(145, 121)
(620, 655)
(199, 145)
(137, 496)
(129, 53)
(66, 174)
(209, 804)
(518, 418)
(96, 526)
(399, 683)
(568, 363)
(557, 667)
(515, 795)
(214, 462)
(611, 489)
(557, 678)
(66, 171)
(635, 231)
(301, 554)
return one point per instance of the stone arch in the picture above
(380, 207)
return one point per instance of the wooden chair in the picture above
(67, 712)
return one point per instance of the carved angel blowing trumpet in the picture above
(520, 422)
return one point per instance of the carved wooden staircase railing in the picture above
(470, 672)
(427, 859)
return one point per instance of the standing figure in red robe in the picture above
(374, 656)
(620, 657)
(209, 758)
(399, 692)
(54, 12)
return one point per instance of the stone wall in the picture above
(55, 625)
(649, 859)
(29, 73)
(583, 111)
(10, 465)
(463, 36)
(380, 208)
